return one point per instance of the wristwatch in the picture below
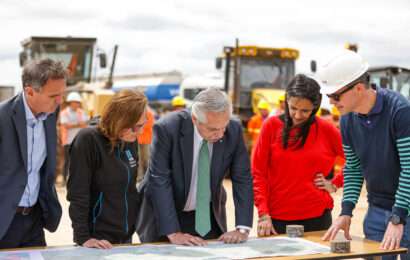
(396, 219)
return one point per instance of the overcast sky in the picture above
(187, 35)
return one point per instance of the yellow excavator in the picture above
(254, 73)
(78, 54)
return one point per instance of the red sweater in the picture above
(283, 179)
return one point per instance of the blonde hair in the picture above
(122, 112)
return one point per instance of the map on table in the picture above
(254, 247)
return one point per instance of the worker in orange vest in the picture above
(256, 121)
(144, 142)
(72, 119)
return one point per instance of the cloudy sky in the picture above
(187, 35)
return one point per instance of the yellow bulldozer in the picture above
(254, 73)
(78, 55)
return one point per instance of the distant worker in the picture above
(72, 119)
(256, 121)
(28, 137)
(376, 139)
(101, 187)
(144, 142)
(335, 116)
(178, 103)
(280, 106)
(325, 114)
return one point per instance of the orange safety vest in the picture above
(254, 127)
(146, 134)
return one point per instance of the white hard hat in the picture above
(340, 71)
(74, 97)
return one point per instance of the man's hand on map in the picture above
(95, 243)
(392, 237)
(343, 223)
(186, 239)
(233, 237)
(265, 227)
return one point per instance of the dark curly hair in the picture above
(301, 86)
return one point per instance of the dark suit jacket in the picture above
(166, 184)
(13, 165)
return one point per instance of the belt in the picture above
(24, 210)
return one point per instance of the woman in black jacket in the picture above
(103, 170)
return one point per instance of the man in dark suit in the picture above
(184, 199)
(28, 200)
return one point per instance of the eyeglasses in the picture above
(337, 96)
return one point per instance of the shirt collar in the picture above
(197, 136)
(29, 114)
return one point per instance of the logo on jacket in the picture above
(131, 159)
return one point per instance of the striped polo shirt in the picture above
(377, 150)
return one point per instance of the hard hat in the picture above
(178, 101)
(282, 98)
(340, 71)
(262, 104)
(74, 97)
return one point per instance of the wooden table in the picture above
(360, 247)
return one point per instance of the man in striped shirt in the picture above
(375, 129)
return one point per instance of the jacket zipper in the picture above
(125, 192)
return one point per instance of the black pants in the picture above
(25, 231)
(312, 224)
(187, 223)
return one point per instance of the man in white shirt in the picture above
(72, 119)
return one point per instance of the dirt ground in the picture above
(63, 235)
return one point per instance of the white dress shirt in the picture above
(190, 204)
(191, 200)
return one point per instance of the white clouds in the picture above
(160, 35)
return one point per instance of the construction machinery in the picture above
(75, 52)
(6, 92)
(192, 85)
(391, 77)
(78, 54)
(254, 73)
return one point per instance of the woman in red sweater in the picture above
(294, 150)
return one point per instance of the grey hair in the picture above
(36, 73)
(210, 100)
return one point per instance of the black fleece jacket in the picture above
(101, 188)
